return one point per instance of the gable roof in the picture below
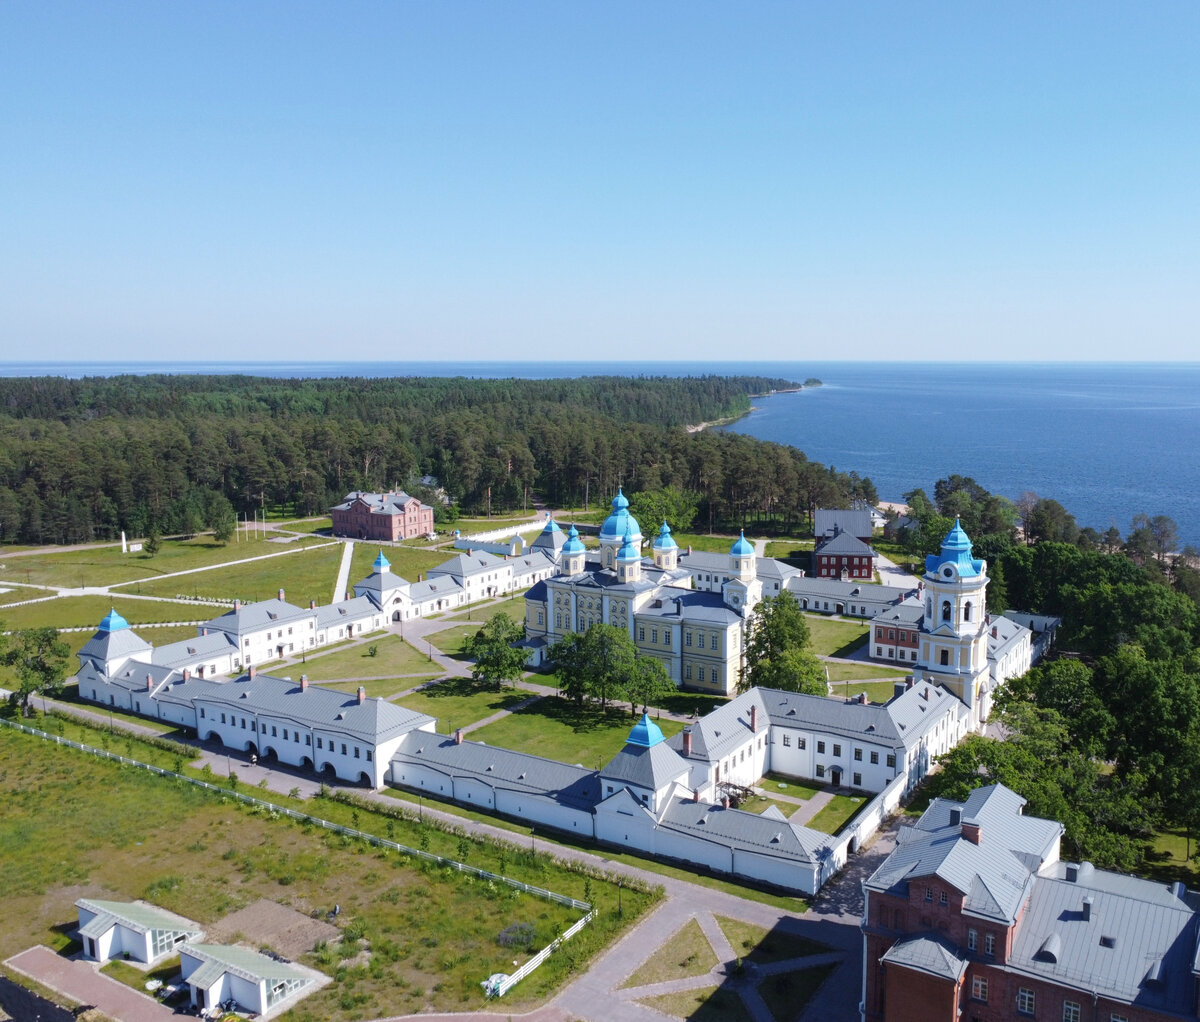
(133, 915)
(725, 729)
(393, 503)
(253, 617)
(187, 651)
(734, 828)
(467, 565)
(250, 965)
(995, 875)
(852, 521)
(345, 610)
(842, 544)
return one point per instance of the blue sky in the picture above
(669, 180)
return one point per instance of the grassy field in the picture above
(87, 612)
(309, 525)
(308, 573)
(790, 549)
(877, 691)
(407, 561)
(833, 817)
(830, 637)
(685, 953)
(1167, 858)
(789, 785)
(433, 933)
(719, 544)
(457, 702)
(864, 672)
(106, 566)
(556, 729)
(786, 994)
(701, 1004)
(395, 659)
(762, 946)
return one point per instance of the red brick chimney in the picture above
(754, 720)
(237, 604)
(972, 831)
(251, 672)
(687, 742)
(695, 794)
(995, 631)
(362, 694)
(725, 802)
(312, 604)
(280, 594)
(303, 682)
(203, 631)
(458, 736)
(150, 681)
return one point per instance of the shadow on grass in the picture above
(580, 719)
(853, 646)
(456, 687)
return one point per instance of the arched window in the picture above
(967, 611)
(945, 658)
(929, 606)
(945, 610)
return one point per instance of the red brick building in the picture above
(382, 517)
(973, 918)
(843, 556)
(896, 631)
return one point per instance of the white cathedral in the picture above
(693, 612)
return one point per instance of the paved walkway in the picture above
(82, 982)
(342, 585)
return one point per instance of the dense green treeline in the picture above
(84, 459)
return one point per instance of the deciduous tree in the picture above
(497, 660)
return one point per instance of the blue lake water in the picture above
(1105, 440)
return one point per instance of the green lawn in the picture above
(108, 566)
(762, 946)
(450, 639)
(685, 953)
(432, 932)
(1167, 861)
(789, 786)
(697, 540)
(830, 637)
(304, 573)
(457, 702)
(87, 612)
(138, 978)
(758, 804)
(395, 659)
(701, 1004)
(556, 729)
(786, 994)
(406, 561)
(790, 549)
(837, 813)
(309, 525)
(877, 691)
(864, 672)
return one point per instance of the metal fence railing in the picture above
(338, 828)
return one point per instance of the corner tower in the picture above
(953, 648)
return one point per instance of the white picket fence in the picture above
(508, 982)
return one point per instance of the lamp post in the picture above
(619, 912)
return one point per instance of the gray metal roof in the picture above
(854, 522)
(467, 565)
(994, 875)
(502, 768)
(900, 723)
(442, 586)
(378, 585)
(187, 651)
(345, 611)
(909, 612)
(737, 829)
(130, 677)
(835, 589)
(1147, 924)
(106, 645)
(927, 953)
(689, 605)
(725, 729)
(373, 720)
(646, 767)
(253, 617)
(394, 503)
(843, 543)
(1008, 634)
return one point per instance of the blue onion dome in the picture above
(381, 563)
(664, 540)
(956, 550)
(620, 521)
(113, 622)
(551, 527)
(573, 545)
(742, 547)
(629, 550)
(645, 733)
